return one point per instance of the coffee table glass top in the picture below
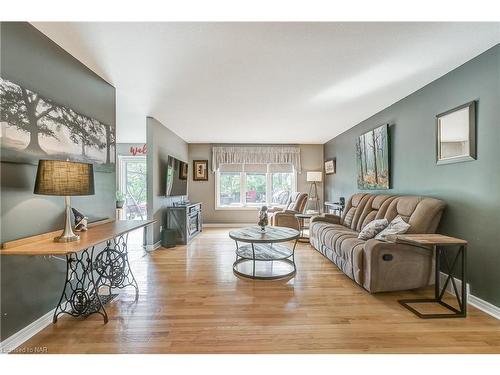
(271, 234)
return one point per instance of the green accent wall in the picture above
(471, 189)
(30, 285)
(161, 142)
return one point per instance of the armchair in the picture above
(285, 216)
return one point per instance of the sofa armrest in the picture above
(275, 209)
(327, 218)
(286, 219)
(390, 266)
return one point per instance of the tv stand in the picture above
(186, 220)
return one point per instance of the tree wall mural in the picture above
(33, 128)
(372, 154)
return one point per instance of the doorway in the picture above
(132, 183)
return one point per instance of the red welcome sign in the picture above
(134, 150)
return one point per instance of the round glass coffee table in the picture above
(263, 256)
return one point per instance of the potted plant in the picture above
(120, 199)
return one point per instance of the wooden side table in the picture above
(441, 245)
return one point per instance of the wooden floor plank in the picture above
(191, 302)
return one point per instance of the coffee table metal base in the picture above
(264, 270)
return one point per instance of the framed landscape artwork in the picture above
(372, 156)
(34, 128)
(200, 170)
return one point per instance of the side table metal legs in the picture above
(80, 296)
(113, 267)
(461, 295)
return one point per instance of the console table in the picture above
(186, 220)
(86, 274)
(441, 245)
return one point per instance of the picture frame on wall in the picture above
(373, 159)
(330, 166)
(183, 171)
(51, 131)
(200, 170)
(456, 134)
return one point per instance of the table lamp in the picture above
(64, 178)
(314, 177)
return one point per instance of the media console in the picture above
(186, 220)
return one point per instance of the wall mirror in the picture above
(456, 134)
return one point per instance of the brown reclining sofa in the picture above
(375, 265)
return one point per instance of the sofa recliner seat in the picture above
(285, 216)
(379, 266)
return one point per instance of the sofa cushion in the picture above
(362, 260)
(397, 226)
(372, 229)
(349, 253)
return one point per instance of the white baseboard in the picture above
(472, 300)
(18, 338)
(152, 247)
(227, 225)
(484, 306)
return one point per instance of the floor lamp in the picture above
(314, 178)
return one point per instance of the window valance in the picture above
(256, 155)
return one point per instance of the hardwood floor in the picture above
(191, 302)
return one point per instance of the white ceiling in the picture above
(265, 82)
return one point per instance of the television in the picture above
(177, 176)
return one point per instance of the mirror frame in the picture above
(472, 135)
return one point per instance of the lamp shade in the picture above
(314, 176)
(58, 177)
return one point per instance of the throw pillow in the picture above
(396, 226)
(373, 228)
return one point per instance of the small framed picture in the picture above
(330, 166)
(200, 170)
(183, 171)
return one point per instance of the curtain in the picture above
(281, 155)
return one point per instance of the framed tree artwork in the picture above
(372, 155)
(200, 170)
(34, 127)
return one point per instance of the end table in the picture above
(301, 218)
(440, 245)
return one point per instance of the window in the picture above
(249, 186)
(230, 189)
(281, 187)
(132, 185)
(256, 188)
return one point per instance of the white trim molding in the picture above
(472, 300)
(153, 247)
(17, 339)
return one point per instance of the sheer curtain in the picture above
(280, 155)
